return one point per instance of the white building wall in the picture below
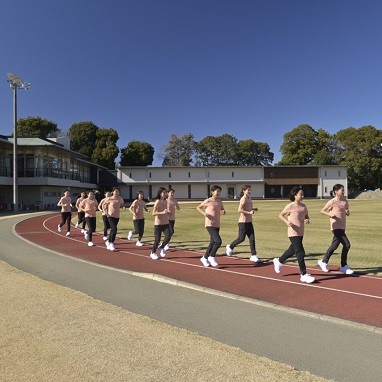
(200, 178)
(329, 176)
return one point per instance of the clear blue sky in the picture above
(151, 68)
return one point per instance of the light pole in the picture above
(15, 83)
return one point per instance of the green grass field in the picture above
(363, 230)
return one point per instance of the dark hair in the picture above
(170, 189)
(293, 192)
(243, 189)
(158, 195)
(115, 188)
(336, 187)
(138, 193)
(214, 188)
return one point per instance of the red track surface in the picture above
(356, 298)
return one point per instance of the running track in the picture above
(355, 298)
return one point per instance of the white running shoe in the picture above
(228, 250)
(212, 261)
(154, 256)
(138, 244)
(111, 247)
(58, 228)
(255, 259)
(82, 231)
(277, 265)
(205, 262)
(323, 266)
(90, 244)
(162, 252)
(307, 278)
(86, 236)
(347, 270)
(76, 225)
(167, 247)
(130, 235)
(105, 238)
(67, 233)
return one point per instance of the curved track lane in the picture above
(355, 298)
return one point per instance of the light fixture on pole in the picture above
(15, 83)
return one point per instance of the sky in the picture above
(255, 69)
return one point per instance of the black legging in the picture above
(215, 242)
(245, 229)
(296, 248)
(66, 217)
(91, 223)
(113, 222)
(106, 225)
(158, 229)
(172, 227)
(139, 228)
(81, 219)
(338, 238)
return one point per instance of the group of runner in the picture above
(295, 215)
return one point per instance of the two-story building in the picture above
(46, 168)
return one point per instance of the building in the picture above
(266, 182)
(46, 168)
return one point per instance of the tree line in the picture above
(358, 149)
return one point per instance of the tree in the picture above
(36, 126)
(251, 153)
(106, 149)
(137, 153)
(179, 151)
(327, 151)
(216, 151)
(361, 150)
(300, 145)
(83, 137)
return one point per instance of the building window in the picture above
(208, 174)
(326, 190)
(233, 174)
(130, 175)
(169, 174)
(189, 174)
(326, 173)
(339, 173)
(149, 174)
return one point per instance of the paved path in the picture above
(342, 351)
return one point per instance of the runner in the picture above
(297, 215)
(172, 206)
(160, 213)
(211, 208)
(337, 209)
(112, 207)
(89, 207)
(66, 211)
(137, 208)
(245, 224)
(106, 225)
(81, 214)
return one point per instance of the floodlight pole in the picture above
(15, 169)
(15, 83)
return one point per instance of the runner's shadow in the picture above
(373, 271)
(236, 266)
(337, 276)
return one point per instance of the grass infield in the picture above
(363, 230)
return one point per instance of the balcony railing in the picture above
(44, 173)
